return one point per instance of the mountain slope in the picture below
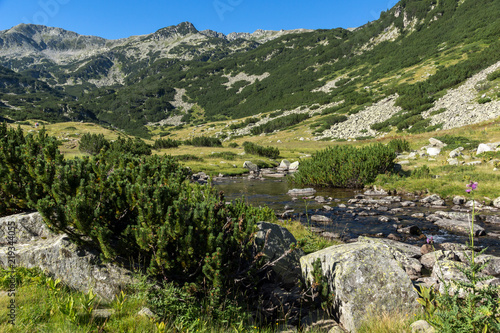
(409, 58)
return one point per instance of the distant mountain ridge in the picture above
(409, 58)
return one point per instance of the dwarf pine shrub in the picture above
(346, 166)
(129, 206)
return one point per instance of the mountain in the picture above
(390, 74)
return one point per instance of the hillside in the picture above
(423, 65)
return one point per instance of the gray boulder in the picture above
(321, 219)
(275, 243)
(77, 267)
(460, 227)
(27, 227)
(250, 166)
(484, 147)
(301, 191)
(294, 166)
(284, 164)
(421, 326)
(496, 202)
(365, 278)
(456, 152)
(437, 143)
(430, 198)
(433, 151)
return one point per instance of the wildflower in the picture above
(471, 186)
(430, 240)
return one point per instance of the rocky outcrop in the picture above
(276, 244)
(365, 279)
(77, 267)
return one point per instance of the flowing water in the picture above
(347, 220)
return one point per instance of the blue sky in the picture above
(117, 19)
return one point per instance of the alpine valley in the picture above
(423, 65)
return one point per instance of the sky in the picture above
(114, 19)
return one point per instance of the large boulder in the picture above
(77, 267)
(294, 165)
(276, 243)
(496, 202)
(437, 143)
(484, 147)
(460, 227)
(365, 279)
(250, 166)
(301, 191)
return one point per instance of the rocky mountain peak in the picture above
(181, 29)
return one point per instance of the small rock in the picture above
(411, 230)
(418, 215)
(426, 248)
(294, 166)
(301, 191)
(146, 312)
(456, 152)
(458, 200)
(327, 208)
(430, 198)
(320, 199)
(437, 143)
(433, 151)
(321, 219)
(284, 164)
(453, 161)
(394, 237)
(496, 202)
(250, 166)
(421, 326)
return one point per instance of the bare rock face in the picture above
(78, 268)
(365, 278)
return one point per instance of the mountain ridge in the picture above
(415, 51)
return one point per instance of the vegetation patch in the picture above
(254, 149)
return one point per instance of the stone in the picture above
(430, 198)
(483, 147)
(285, 164)
(294, 166)
(458, 200)
(301, 191)
(274, 242)
(426, 248)
(437, 143)
(321, 219)
(27, 227)
(456, 152)
(460, 227)
(78, 267)
(411, 230)
(453, 161)
(493, 264)
(438, 203)
(375, 191)
(365, 279)
(103, 313)
(496, 202)
(146, 312)
(474, 163)
(448, 272)
(422, 326)
(428, 260)
(320, 199)
(331, 235)
(433, 151)
(250, 166)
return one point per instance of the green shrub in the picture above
(254, 149)
(346, 166)
(140, 207)
(165, 143)
(226, 155)
(399, 145)
(188, 157)
(484, 100)
(233, 145)
(204, 141)
(454, 141)
(93, 143)
(279, 123)
(493, 76)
